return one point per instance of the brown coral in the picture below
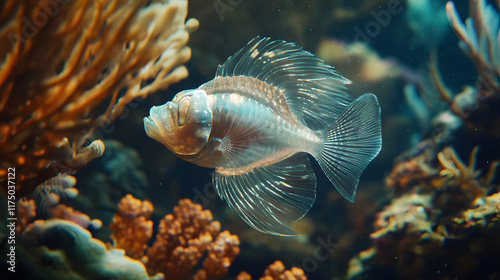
(61, 62)
(182, 239)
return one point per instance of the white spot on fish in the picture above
(235, 99)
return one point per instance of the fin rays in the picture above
(317, 100)
(351, 143)
(270, 198)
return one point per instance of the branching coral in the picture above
(68, 68)
(479, 38)
(454, 168)
(478, 104)
(182, 239)
(408, 212)
(485, 213)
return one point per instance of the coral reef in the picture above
(92, 59)
(57, 249)
(67, 213)
(443, 221)
(433, 229)
(185, 239)
(182, 239)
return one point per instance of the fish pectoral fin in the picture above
(270, 198)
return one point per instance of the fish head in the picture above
(184, 124)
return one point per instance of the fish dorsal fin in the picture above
(270, 198)
(314, 91)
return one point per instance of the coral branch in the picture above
(479, 37)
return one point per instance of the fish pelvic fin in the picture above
(270, 198)
(351, 143)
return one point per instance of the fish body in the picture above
(248, 132)
(270, 105)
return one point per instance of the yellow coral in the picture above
(455, 169)
(486, 211)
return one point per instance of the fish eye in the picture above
(183, 109)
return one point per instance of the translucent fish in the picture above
(270, 105)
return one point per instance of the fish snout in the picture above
(160, 123)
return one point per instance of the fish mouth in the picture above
(151, 129)
(159, 124)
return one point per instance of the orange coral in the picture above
(60, 63)
(131, 227)
(276, 271)
(182, 239)
(221, 253)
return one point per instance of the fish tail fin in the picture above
(351, 143)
